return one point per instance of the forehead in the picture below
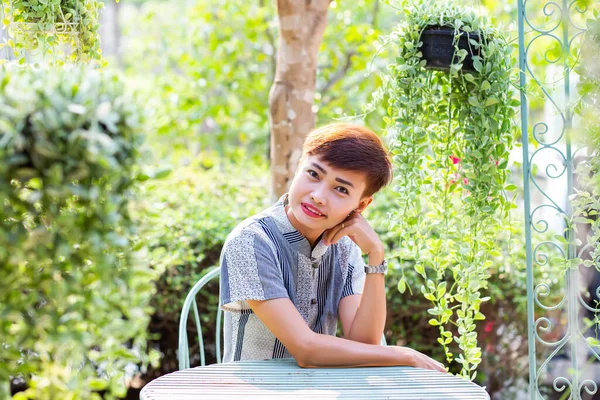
(358, 179)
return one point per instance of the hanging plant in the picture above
(450, 135)
(58, 30)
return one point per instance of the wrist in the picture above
(376, 256)
(411, 358)
(377, 269)
(404, 356)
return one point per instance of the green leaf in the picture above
(474, 102)
(490, 101)
(98, 384)
(560, 238)
(402, 285)
(469, 78)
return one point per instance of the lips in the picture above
(311, 211)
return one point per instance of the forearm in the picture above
(369, 321)
(331, 351)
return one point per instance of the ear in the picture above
(364, 203)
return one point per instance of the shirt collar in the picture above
(295, 239)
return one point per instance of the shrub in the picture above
(187, 217)
(74, 292)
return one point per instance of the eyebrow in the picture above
(345, 182)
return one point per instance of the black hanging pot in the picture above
(438, 47)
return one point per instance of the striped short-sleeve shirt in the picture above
(264, 258)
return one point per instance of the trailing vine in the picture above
(56, 30)
(586, 201)
(450, 134)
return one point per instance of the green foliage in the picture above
(56, 30)
(586, 200)
(186, 218)
(206, 70)
(74, 292)
(344, 78)
(451, 133)
(502, 336)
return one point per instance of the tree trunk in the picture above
(301, 27)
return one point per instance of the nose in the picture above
(317, 197)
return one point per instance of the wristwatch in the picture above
(378, 269)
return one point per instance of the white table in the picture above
(283, 379)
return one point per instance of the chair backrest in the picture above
(190, 302)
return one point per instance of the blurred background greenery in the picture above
(202, 70)
(206, 68)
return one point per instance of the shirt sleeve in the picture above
(355, 275)
(249, 271)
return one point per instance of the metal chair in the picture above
(190, 301)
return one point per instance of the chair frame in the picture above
(190, 301)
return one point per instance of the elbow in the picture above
(303, 362)
(304, 352)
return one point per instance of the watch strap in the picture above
(377, 269)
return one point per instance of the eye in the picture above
(342, 189)
(312, 173)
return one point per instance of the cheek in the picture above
(296, 190)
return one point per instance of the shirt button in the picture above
(313, 301)
(316, 265)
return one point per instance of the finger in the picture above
(432, 364)
(340, 233)
(438, 367)
(334, 231)
(327, 234)
(437, 363)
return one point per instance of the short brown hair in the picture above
(353, 148)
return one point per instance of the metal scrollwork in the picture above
(553, 29)
(589, 386)
(565, 383)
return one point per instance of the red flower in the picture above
(455, 160)
(465, 181)
(489, 326)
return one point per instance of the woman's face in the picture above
(321, 196)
